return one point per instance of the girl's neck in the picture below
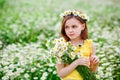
(77, 42)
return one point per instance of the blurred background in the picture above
(26, 26)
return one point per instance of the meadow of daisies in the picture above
(26, 26)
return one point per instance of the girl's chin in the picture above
(71, 38)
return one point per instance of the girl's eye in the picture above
(66, 27)
(74, 26)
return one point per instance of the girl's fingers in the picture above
(96, 61)
(92, 58)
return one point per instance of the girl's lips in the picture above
(71, 34)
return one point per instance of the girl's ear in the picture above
(83, 26)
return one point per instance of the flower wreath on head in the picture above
(83, 16)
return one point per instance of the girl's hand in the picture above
(82, 61)
(94, 61)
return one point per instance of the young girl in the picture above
(74, 30)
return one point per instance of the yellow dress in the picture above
(86, 50)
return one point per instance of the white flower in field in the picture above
(11, 66)
(6, 68)
(21, 51)
(5, 78)
(109, 73)
(98, 76)
(52, 64)
(40, 37)
(5, 55)
(105, 64)
(35, 78)
(101, 73)
(106, 75)
(48, 43)
(102, 55)
(111, 56)
(38, 65)
(104, 59)
(0, 67)
(0, 44)
(23, 63)
(26, 76)
(45, 74)
(117, 50)
(50, 70)
(20, 70)
(43, 78)
(18, 55)
(9, 73)
(100, 68)
(54, 72)
(12, 47)
(4, 63)
(33, 69)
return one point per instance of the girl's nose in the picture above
(70, 29)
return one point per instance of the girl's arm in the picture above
(63, 70)
(94, 61)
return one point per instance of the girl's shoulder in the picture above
(88, 41)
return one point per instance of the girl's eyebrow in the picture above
(74, 25)
(66, 25)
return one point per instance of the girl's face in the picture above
(73, 28)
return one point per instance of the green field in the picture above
(26, 26)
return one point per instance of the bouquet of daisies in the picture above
(67, 53)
